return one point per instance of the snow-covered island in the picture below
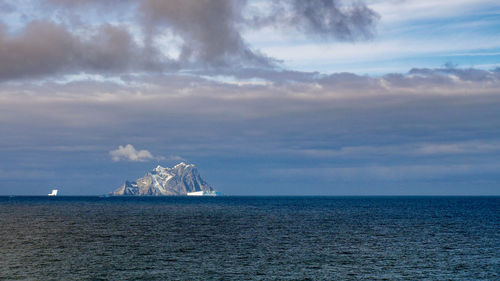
(182, 179)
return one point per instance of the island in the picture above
(181, 180)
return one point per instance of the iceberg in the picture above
(53, 193)
(204, 193)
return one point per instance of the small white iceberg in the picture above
(204, 193)
(54, 192)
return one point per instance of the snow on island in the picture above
(182, 179)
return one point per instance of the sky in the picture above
(285, 97)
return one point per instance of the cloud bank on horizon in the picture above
(292, 97)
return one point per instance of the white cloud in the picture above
(129, 153)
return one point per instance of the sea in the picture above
(249, 238)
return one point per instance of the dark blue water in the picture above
(250, 238)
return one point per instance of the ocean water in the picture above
(250, 238)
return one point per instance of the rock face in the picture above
(179, 180)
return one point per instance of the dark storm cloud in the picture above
(44, 48)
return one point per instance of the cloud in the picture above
(324, 19)
(188, 77)
(463, 74)
(418, 10)
(208, 29)
(458, 148)
(71, 37)
(129, 153)
(211, 30)
(6, 8)
(43, 48)
(332, 19)
(402, 150)
(389, 173)
(389, 129)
